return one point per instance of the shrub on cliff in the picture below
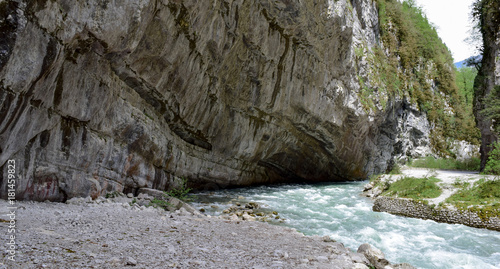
(181, 191)
(493, 165)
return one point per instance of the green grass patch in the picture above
(472, 164)
(484, 192)
(483, 198)
(414, 188)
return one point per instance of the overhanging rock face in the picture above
(97, 96)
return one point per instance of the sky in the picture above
(452, 21)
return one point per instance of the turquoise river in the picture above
(339, 211)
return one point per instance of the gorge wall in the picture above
(97, 96)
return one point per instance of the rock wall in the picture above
(417, 209)
(489, 73)
(99, 96)
(413, 134)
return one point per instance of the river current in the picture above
(339, 211)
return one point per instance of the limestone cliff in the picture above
(487, 13)
(102, 95)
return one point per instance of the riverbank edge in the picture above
(136, 206)
(430, 209)
(418, 209)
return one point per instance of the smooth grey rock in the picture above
(130, 261)
(173, 203)
(327, 239)
(359, 258)
(75, 201)
(144, 196)
(374, 255)
(151, 192)
(403, 266)
(360, 266)
(464, 150)
(143, 202)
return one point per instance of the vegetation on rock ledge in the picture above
(415, 64)
(493, 164)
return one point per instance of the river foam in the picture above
(338, 210)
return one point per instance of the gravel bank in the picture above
(113, 234)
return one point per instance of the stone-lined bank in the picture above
(439, 209)
(419, 209)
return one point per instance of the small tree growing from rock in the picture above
(181, 191)
(493, 164)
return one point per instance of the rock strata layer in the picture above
(102, 96)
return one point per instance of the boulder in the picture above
(374, 256)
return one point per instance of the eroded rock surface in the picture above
(99, 96)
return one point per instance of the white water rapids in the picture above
(339, 211)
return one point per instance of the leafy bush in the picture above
(161, 203)
(181, 191)
(396, 169)
(112, 194)
(465, 82)
(493, 164)
(472, 164)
